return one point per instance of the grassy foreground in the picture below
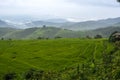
(49, 55)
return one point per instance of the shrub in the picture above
(98, 36)
(9, 76)
(57, 37)
(29, 74)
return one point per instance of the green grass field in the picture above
(49, 55)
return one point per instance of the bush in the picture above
(40, 38)
(88, 37)
(98, 36)
(57, 37)
(111, 38)
(2, 38)
(9, 76)
(29, 74)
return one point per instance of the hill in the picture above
(48, 23)
(61, 23)
(53, 32)
(105, 32)
(5, 24)
(41, 23)
(90, 25)
(117, 24)
(20, 34)
(85, 25)
(47, 32)
(4, 31)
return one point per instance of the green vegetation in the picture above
(59, 59)
(52, 32)
(4, 31)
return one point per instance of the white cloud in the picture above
(101, 3)
(70, 9)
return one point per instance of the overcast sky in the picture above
(74, 10)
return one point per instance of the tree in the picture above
(98, 36)
(88, 37)
(39, 38)
(44, 26)
(118, 0)
(111, 38)
(2, 38)
(57, 37)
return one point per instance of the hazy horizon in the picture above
(73, 10)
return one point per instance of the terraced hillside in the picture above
(57, 55)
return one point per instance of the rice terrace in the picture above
(58, 59)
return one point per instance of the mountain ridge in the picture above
(53, 32)
(61, 23)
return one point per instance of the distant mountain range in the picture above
(59, 28)
(5, 24)
(88, 25)
(41, 23)
(64, 24)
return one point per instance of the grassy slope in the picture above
(4, 31)
(20, 55)
(52, 32)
